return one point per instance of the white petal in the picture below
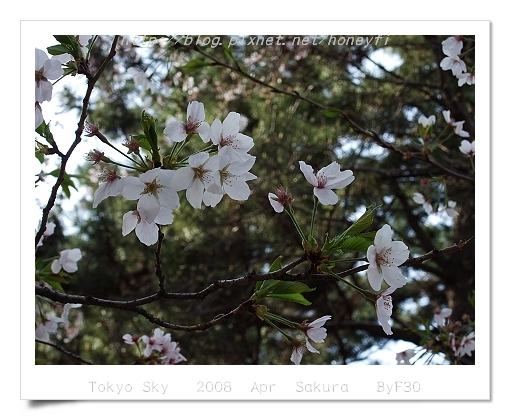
(319, 322)
(383, 237)
(393, 276)
(175, 131)
(231, 124)
(374, 277)
(317, 334)
(307, 171)
(296, 356)
(131, 187)
(325, 196)
(195, 192)
(182, 178)
(147, 233)
(204, 131)
(273, 200)
(55, 266)
(129, 222)
(148, 207)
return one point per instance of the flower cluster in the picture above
(463, 347)
(206, 177)
(384, 257)
(452, 48)
(159, 348)
(449, 208)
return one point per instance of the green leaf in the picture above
(44, 131)
(58, 49)
(296, 297)
(194, 64)
(275, 266)
(331, 113)
(289, 287)
(65, 39)
(55, 285)
(39, 156)
(228, 53)
(356, 243)
(362, 223)
(144, 143)
(66, 183)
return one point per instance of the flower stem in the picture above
(358, 289)
(281, 320)
(314, 213)
(287, 336)
(290, 212)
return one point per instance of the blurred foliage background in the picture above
(382, 88)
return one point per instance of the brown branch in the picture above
(282, 274)
(64, 351)
(86, 99)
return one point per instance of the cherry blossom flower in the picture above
(50, 229)
(46, 69)
(234, 174)
(152, 190)
(450, 209)
(420, 199)
(195, 116)
(47, 327)
(94, 156)
(227, 135)
(131, 339)
(300, 348)
(384, 257)
(459, 131)
(425, 122)
(327, 179)
(146, 232)
(315, 330)
(466, 78)
(110, 186)
(384, 309)
(67, 261)
(403, 357)
(468, 148)
(440, 316)
(171, 353)
(280, 199)
(453, 45)
(201, 172)
(453, 63)
(467, 345)
(457, 125)
(155, 342)
(448, 119)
